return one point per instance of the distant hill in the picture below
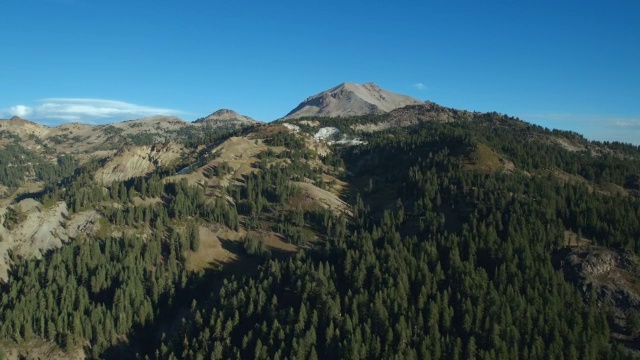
(22, 127)
(351, 99)
(85, 138)
(226, 117)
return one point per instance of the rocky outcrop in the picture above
(612, 276)
(613, 273)
(40, 229)
(137, 161)
(327, 133)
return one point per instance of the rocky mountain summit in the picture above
(351, 99)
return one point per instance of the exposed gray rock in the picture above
(327, 133)
(612, 277)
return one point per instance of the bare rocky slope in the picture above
(351, 99)
(138, 161)
(40, 229)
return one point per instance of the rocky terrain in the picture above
(613, 277)
(138, 161)
(38, 229)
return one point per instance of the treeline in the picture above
(18, 164)
(194, 136)
(614, 163)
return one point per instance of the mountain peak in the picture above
(351, 99)
(224, 112)
(226, 116)
(351, 86)
(17, 121)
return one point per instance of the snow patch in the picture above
(310, 123)
(332, 136)
(294, 128)
(347, 142)
(326, 133)
(186, 170)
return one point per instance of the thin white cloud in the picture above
(593, 126)
(419, 86)
(86, 110)
(587, 118)
(628, 123)
(552, 116)
(20, 110)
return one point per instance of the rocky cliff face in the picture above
(612, 276)
(611, 273)
(40, 229)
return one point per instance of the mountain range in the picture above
(346, 99)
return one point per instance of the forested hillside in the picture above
(447, 235)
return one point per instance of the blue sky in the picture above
(562, 64)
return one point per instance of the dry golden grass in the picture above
(335, 185)
(485, 159)
(39, 349)
(27, 187)
(138, 201)
(193, 178)
(605, 189)
(571, 239)
(210, 252)
(314, 195)
(277, 242)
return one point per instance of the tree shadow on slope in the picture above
(147, 339)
